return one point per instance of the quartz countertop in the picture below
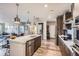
(24, 39)
(68, 43)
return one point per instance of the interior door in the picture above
(48, 33)
(40, 29)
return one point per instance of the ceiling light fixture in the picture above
(17, 19)
(49, 17)
(45, 5)
(28, 22)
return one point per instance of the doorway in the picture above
(51, 30)
(40, 29)
(48, 32)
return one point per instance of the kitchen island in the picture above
(24, 45)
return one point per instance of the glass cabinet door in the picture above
(21, 29)
(2, 28)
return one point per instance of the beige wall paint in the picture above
(52, 25)
(76, 10)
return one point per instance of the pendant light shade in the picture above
(17, 19)
(28, 22)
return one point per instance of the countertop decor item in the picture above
(12, 37)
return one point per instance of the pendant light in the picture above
(28, 22)
(17, 19)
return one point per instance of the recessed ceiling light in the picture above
(45, 5)
(49, 17)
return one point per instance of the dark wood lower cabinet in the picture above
(25, 48)
(33, 45)
(64, 49)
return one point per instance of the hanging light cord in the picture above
(28, 22)
(16, 18)
(28, 15)
(17, 8)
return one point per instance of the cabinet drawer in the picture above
(30, 42)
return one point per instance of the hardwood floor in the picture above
(48, 48)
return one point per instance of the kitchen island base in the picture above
(25, 49)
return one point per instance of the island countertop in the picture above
(24, 45)
(24, 39)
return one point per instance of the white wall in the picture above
(76, 10)
(45, 31)
(52, 26)
(52, 30)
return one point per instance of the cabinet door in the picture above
(61, 47)
(37, 43)
(30, 47)
(64, 49)
(33, 45)
(68, 53)
(29, 50)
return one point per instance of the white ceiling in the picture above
(8, 10)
